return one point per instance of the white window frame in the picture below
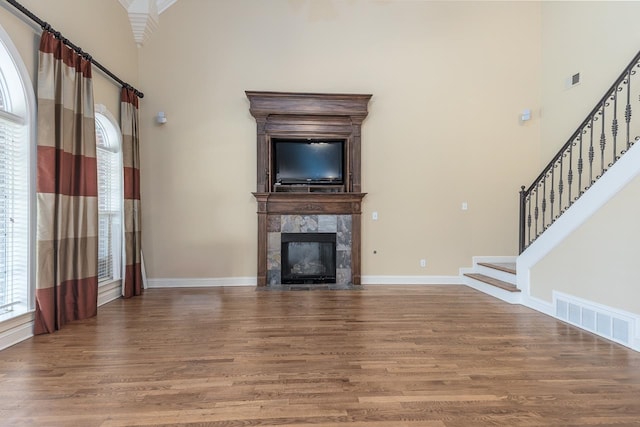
(110, 288)
(21, 110)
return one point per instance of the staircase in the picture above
(598, 145)
(495, 276)
(601, 140)
(600, 158)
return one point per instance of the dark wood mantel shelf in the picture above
(310, 203)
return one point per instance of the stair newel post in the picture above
(521, 233)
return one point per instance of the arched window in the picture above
(17, 118)
(109, 156)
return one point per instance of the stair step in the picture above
(507, 267)
(494, 282)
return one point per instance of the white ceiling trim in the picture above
(126, 3)
(144, 16)
(163, 5)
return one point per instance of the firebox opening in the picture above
(308, 258)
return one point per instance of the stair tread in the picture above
(507, 267)
(494, 282)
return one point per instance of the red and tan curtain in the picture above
(67, 192)
(131, 161)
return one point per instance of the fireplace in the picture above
(290, 201)
(336, 229)
(308, 258)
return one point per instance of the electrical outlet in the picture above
(465, 206)
(374, 216)
(423, 263)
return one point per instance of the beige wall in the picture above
(449, 80)
(596, 39)
(89, 24)
(598, 261)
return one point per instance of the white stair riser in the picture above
(494, 259)
(494, 291)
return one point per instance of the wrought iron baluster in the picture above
(591, 153)
(560, 188)
(602, 140)
(529, 219)
(544, 202)
(570, 174)
(627, 109)
(614, 126)
(536, 211)
(552, 194)
(580, 166)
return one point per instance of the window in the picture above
(17, 147)
(109, 158)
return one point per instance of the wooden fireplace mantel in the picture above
(308, 115)
(310, 203)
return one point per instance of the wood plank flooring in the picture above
(383, 356)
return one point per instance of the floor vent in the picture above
(596, 318)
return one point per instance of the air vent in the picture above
(572, 80)
(575, 79)
(596, 318)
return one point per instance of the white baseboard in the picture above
(200, 282)
(251, 281)
(16, 330)
(109, 292)
(536, 304)
(411, 280)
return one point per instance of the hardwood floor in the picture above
(382, 356)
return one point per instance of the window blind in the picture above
(108, 159)
(14, 214)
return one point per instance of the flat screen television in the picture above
(308, 161)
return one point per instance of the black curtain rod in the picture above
(46, 27)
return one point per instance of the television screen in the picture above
(308, 161)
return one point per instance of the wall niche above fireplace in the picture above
(308, 117)
(308, 166)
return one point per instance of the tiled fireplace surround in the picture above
(339, 224)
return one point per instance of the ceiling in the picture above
(144, 16)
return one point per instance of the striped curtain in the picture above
(131, 160)
(67, 192)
